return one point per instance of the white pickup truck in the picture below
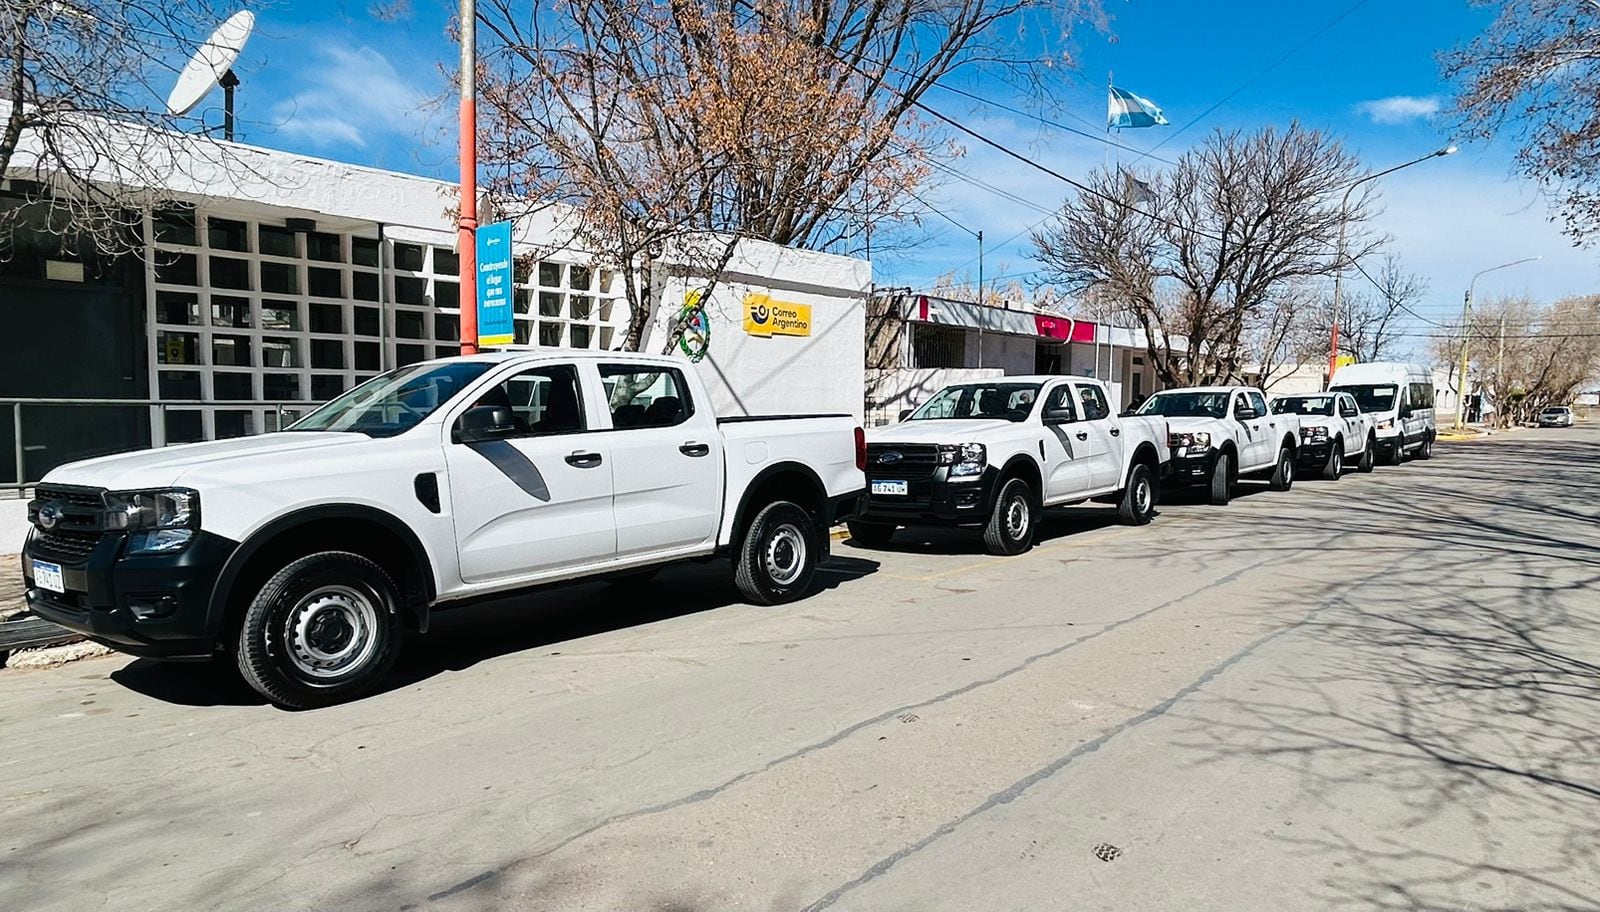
(992, 454)
(1333, 431)
(1221, 433)
(305, 554)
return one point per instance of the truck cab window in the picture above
(542, 400)
(645, 398)
(1094, 402)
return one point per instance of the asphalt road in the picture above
(1380, 693)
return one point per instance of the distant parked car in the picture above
(1556, 416)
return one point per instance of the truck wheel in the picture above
(778, 557)
(1369, 456)
(1222, 480)
(323, 630)
(870, 535)
(1011, 519)
(1334, 467)
(1398, 454)
(1283, 474)
(1138, 503)
(1426, 450)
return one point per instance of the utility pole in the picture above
(980, 298)
(1466, 334)
(1500, 360)
(1338, 274)
(467, 226)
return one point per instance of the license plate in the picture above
(48, 576)
(896, 488)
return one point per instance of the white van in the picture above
(1399, 397)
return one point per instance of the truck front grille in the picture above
(909, 461)
(78, 516)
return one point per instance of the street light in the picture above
(1466, 333)
(1338, 275)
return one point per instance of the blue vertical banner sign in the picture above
(495, 326)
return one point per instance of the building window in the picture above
(445, 262)
(408, 325)
(177, 268)
(327, 353)
(177, 308)
(324, 283)
(177, 348)
(409, 354)
(408, 257)
(279, 352)
(280, 278)
(364, 251)
(446, 328)
(364, 286)
(175, 226)
(325, 387)
(233, 386)
(408, 290)
(280, 388)
(369, 357)
(234, 423)
(231, 350)
(938, 346)
(549, 303)
(446, 295)
(230, 312)
(281, 315)
(323, 246)
(180, 385)
(368, 321)
(185, 426)
(227, 272)
(276, 241)
(327, 318)
(227, 234)
(550, 275)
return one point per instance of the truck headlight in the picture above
(1199, 441)
(966, 460)
(160, 521)
(1386, 424)
(1313, 433)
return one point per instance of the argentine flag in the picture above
(1125, 109)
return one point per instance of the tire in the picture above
(1221, 490)
(777, 560)
(1426, 450)
(325, 629)
(870, 535)
(1283, 474)
(1334, 467)
(1137, 506)
(1398, 456)
(1012, 519)
(1369, 456)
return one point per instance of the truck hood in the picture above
(1190, 425)
(167, 465)
(948, 430)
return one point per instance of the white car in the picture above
(305, 554)
(1555, 416)
(992, 454)
(1222, 433)
(1399, 397)
(1333, 432)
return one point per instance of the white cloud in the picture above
(348, 96)
(1399, 109)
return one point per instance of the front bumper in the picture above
(932, 500)
(1313, 452)
(1191, 469)
(154, 605)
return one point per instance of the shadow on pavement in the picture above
(460, 638)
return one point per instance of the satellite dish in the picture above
(212, 65)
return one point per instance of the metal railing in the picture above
(158, 410)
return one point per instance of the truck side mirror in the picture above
(484, 422)
(1059, 415)
(1245, 413)
(904, 414)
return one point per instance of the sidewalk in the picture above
(10, 586)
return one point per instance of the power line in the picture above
(1398, 303)
(1051, 123)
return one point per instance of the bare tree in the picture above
(1371, 320)
(787, 122)
(1529, 355)
(1535, 74)
(1218, 241)
(84, 135)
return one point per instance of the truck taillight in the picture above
(861, 450)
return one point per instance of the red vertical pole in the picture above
(1333, 352)
(467, 228)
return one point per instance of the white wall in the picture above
(1007, 353)
(755, 375)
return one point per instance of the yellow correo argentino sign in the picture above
(764, 316)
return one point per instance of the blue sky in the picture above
(348, 80)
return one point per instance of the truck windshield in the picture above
(1372, 397)
(1011, 401)
(1209, 404)
(1303, 405)
(395, 402)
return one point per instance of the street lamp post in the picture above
(467, 223)
(1338, 274)
(1466, 334)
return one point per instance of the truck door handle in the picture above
(584, 460)
(1116, 432)
(1082, 435)
(695, 449)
